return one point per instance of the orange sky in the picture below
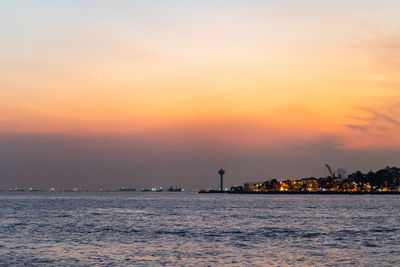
(255, 73)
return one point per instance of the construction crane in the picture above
(330, 171)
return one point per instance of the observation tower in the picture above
(221, 173)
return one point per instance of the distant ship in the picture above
(146, 190)
(16, 189)
(153, 189)
(175, 189)
(131, 189)
(33, 189)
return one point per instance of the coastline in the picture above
(299, 193)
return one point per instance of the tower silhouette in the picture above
(221, 173)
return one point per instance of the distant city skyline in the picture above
(99, 94)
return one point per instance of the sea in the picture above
(191, 229)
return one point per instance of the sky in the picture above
(158, 93)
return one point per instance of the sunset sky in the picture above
(148, 93)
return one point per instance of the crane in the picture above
(330, 171)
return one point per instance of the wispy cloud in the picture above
(375, 127)
(376, 116)
(362, 128)
(375, 120)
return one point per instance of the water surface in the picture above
(190, 229)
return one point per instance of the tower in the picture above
(221, 173)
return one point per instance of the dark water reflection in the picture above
(190, 229)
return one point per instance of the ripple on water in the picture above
(189, 229)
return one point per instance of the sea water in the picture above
(191, 229)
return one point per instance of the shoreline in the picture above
(300, 193)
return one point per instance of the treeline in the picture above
(388, 177)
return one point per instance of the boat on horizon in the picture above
(16, 189)
(153, 189)
(127, 189)
(175, 189)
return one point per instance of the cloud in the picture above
(361, 128)
(374, 127)
(375, 121)
(376, 116)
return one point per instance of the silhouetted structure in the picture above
(384, 181)
(221, 173)
(332, 173)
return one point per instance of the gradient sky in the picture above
(145, 93)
